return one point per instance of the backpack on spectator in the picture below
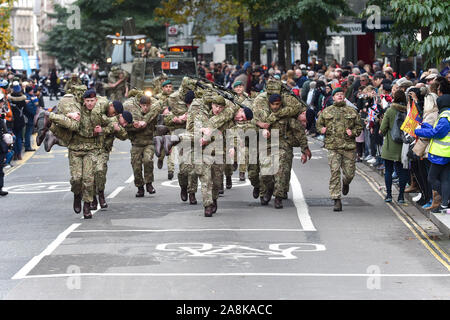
(396, 133)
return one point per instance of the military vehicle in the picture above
(146, 72)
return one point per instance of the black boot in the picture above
(94, 203)
(102, 200)
(158, 141)
(255, 193)
(160, 163)
(77, 203)
(345, 189)
(278, 203)
(150, 188)
(169, 142)
(263, 202)
(229, 182)
(140, 192)
(337, 205)
(241, 176)
(87, 210)
(192, 199)
(214, 206)
(170, 175)
(208, 211)
(184, 194)
(268, 195)
(50, 141)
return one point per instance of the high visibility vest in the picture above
(441, 147)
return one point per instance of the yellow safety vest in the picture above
(441, 147)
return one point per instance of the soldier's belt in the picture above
(86, 140)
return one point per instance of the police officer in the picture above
(340, 124)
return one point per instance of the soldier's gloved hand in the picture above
(349, 132)
(324, 129)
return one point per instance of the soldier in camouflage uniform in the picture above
(268, 117)
(163, 97)
(340, 124)
(73, 81)
(145, 111)
(84, 148)
(244, 99)
(112, 114)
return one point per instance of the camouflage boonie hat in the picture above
(273, 86)
(78, 91)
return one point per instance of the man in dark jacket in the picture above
(18, 105)
(30, 112)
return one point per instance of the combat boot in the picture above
(278, 203)
(169, 142)
(263, 202)
(345, 189)
(94, 203)
(140, 192)
(50, 141)
(160, 163)
(255, 193)
(214, 206)
(184, 194)
(208, 211)
(229, 182)
(77, 203)
(87, 210)
(170, 175)
(268, 195)
(40, 137)
(241, 176)
(235, 166)
(192, 199)
(158, 141)
(150, 188)
(102, 200)
(337, 205)
(221, 190)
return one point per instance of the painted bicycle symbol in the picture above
(275, 251)
(43, 187)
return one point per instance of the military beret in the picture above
(118, 106)
(274, 97)
(248, 113)
(338, 89)
(165, 83)
(217, 99)
(237, 83)
(127, 116)
(89, 94)
(190, 95)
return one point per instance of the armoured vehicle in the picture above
(146, 72)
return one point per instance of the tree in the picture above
(5, 28)
(419, 27)
(98, 19)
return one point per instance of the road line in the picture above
(50, 248)
(115, 192)
(192, 230)
(242, 274)
(130, 179)
(300, 204)
(410, 224)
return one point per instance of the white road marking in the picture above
(240, 274)
(115, 192)
(130, 179)
(192, 230)
(300, 204)
(51, 247)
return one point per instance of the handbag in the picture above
(396, 133)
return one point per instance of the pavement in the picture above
(159, 247)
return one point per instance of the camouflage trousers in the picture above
(337, 160)
(278, 182)
(60, 128)
(142, 156)
(82, 172)
(101, 170)
(210, 176)
(170, 160)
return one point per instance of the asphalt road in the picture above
(159, 247)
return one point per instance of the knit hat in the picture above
(274, 98)
(127, 116)
(237, 83)
(248, 113)
(118, 106)
(338, 89)
(16, 86)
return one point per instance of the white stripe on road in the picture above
(115, 192)
(51, 247)
(300, 204)
(193, 230)
(241, 274)
(130, 179)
